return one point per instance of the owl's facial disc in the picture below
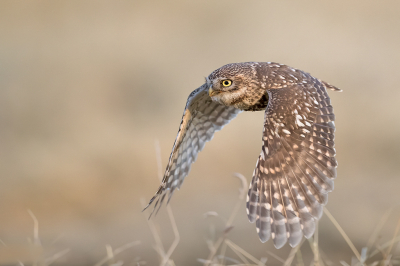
(227, 90)
(224, 86)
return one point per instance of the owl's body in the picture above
(296, 167)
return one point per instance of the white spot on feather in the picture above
(267, 206)
(272, 170)
(298, 122)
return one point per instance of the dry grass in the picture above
(36, 255)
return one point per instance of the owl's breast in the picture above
(259, 105)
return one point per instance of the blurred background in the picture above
(88, 87)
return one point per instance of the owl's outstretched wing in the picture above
(201, 118)
(296, 167)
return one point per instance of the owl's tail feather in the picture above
(331, 87)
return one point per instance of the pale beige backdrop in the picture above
(86, 87)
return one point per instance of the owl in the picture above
(296, 167)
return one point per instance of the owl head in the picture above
(235, 85)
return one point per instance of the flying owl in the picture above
(296, 167)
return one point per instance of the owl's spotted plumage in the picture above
(297, 164)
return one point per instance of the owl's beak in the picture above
(212, 92)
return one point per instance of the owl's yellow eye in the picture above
(227, 83)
